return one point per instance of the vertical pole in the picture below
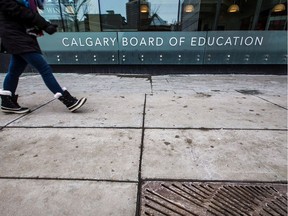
(100, 19)
(178, 16)
(218, 8)
(139, 15)
(256, 16)
(61, 14)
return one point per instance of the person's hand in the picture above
(51, 29)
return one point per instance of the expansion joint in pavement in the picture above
(272, 103)
(139, 191)
(210, 129)
(68, 179)
(22, 116)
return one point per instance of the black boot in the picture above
(9, 103)
(71, 102)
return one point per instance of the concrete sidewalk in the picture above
(135, 129)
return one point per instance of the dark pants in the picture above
(18, 64)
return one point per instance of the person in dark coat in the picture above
(15, 20)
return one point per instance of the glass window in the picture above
(142, 15)
(92, 16)
(73, 15)
(119, 15)
(159, 15)
(242, 15)
(166, 15)
(237, 15)
(226, 15)
(189, 15)
(273, 15)
(52, 13)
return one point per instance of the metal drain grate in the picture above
(215, 199)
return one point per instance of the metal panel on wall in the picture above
(81, 48)
(245, 47)
(187, 48)
(159, 48)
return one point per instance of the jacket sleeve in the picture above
(15, 11)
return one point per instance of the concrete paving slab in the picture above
(111, 154)
(280, 100)
(97, 83)
(213, 110)
(27, 99)
(33, 94)
(53, 160)
(203, 83)
(100, 110)
(236, 155)
(72, 81)
(6, 119)
(73, 198)
(85, 82)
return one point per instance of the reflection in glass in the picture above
(73, 15)
(189, 8)
(273, 16)
(144, 8)
(162, 15)
(227, 15)
(234, 8)
(166, 15)
(116, 16)
(190, 15)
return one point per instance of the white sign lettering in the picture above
(227, 41)
(89, 41)
(150, 41)
(160, 41)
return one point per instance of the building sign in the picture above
(227, 41)
(76, 41)
(89, 41)
(186, 40)
(193, 41)
(141, 40)
(174, 47)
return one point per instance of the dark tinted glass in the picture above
(166, 15)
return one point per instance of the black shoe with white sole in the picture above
(9, 103)
(72, 103)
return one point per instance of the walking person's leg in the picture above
(16, 67)
(9, 99)
(39, 62)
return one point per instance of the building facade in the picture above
(173, 32)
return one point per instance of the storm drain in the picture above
(229, 199)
